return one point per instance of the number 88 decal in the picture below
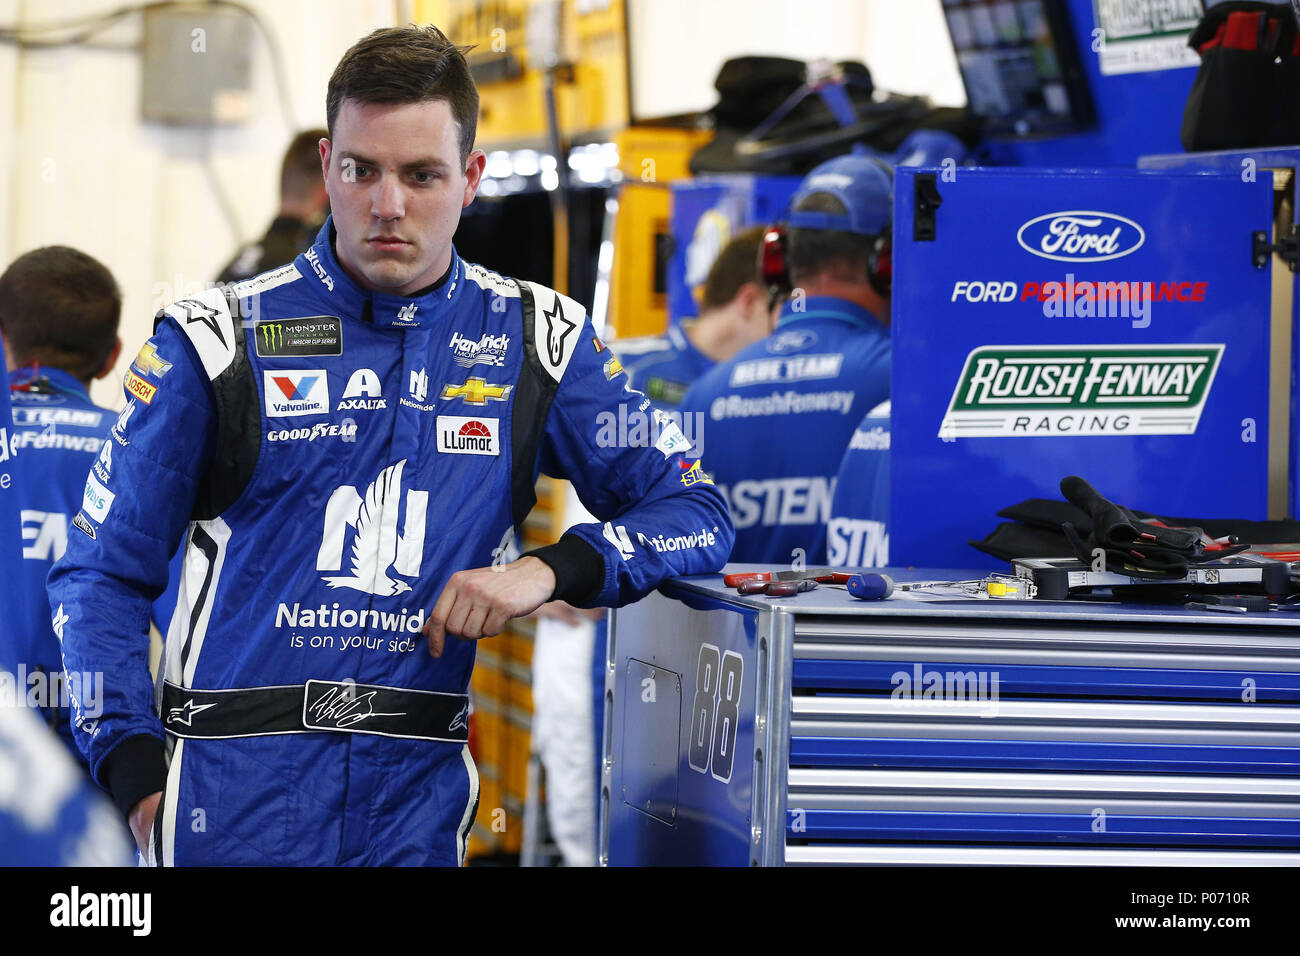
(715, 712)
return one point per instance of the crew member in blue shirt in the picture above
(780, 414)
(59, 313)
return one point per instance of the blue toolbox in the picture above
(923, 728)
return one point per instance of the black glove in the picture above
(1131, 545)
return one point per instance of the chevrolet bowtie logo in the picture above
(149, 362)
(476, 391)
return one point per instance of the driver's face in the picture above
(396, 188)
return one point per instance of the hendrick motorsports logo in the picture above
(1080, 236)
(1027, 390)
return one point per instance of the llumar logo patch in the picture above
(1045, 390)
(307, 335)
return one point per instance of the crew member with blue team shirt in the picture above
(780, 414)
(59, 314)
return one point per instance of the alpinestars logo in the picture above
(1045, 390)
(377, 548)
(364, 392)
(302, 392)
(196, 311)
(556, 319)
(185, 713)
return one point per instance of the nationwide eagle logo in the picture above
(377, 548)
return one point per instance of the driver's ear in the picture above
(474, 166)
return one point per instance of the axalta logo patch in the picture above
(303, 392)
(139, 388)
(461, 435)
(1081, 236)
(1026, 391)
(364, 392)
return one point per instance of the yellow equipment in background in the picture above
(513, 42)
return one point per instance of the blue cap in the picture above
(864, 184)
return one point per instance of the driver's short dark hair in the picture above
(828, 252)
(60, 307)
(407, 64)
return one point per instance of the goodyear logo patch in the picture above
(1027, 391)
(139, 388)
(305, 336)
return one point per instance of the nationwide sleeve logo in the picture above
(1045, 390)
(302, 336)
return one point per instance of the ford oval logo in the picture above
(791, 341)
(1081, 235)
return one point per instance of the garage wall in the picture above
(678, 45)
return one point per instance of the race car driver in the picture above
(59, 313)
(346, 446)
(779, 415)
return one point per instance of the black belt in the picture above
(317, 705)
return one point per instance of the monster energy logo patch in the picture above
(309, 335)
(1044, 390)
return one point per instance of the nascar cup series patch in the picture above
(308, 335)
(1030, 391)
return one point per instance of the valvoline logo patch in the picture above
(1081, 235)
(300, 392)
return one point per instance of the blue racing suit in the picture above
(330, 456)
(779, 416)
(57, 433)
(857, 535)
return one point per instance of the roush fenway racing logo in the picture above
(1025, 391)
